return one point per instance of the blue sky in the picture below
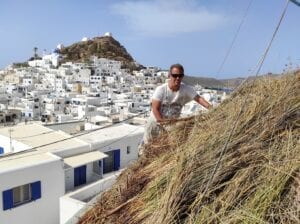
(159, 32)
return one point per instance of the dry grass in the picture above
(257, 180)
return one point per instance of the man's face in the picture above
(176, 77)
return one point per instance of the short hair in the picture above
(178, 66)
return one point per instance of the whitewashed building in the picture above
(48, 61)
(39, 165)
(32, 176)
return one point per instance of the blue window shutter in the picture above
(104, 167)
(1, 150)
(100, 167)
(117, 159)
(36, 190)
(7, 199)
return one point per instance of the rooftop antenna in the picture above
(10, 140)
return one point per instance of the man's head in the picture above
(176, 74)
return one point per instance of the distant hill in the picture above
(221, 83)
(108, 47)
(101, 47)
(232, 83)
(204, 82)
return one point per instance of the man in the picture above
(168, 100)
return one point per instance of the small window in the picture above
(21, 194)
(128, 149)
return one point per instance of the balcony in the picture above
(75, 203)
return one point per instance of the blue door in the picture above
(117, 159)
(79, 176)
(112, 162)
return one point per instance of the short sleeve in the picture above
(158, 93)
(190, 92)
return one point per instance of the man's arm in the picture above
(156, 104)
(202, 102)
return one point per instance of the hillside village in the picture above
(51, 91)
(68, 130)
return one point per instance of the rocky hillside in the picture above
(204, 82)
(101, 47)
(239, 163)
(108, 47)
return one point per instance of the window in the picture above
(21, 195)
(128, 149)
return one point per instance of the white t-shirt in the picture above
(173, 101)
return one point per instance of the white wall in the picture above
(71, 203)
(68, 208)
(89, 172)
(132, 141)
(69, 179)
(44, 210)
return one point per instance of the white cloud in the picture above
(164, 17)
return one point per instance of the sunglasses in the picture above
(177, 75)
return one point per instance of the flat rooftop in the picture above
(15, 162)
(117, 131)
(33, 144)
(38, 142)
(40, 138)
